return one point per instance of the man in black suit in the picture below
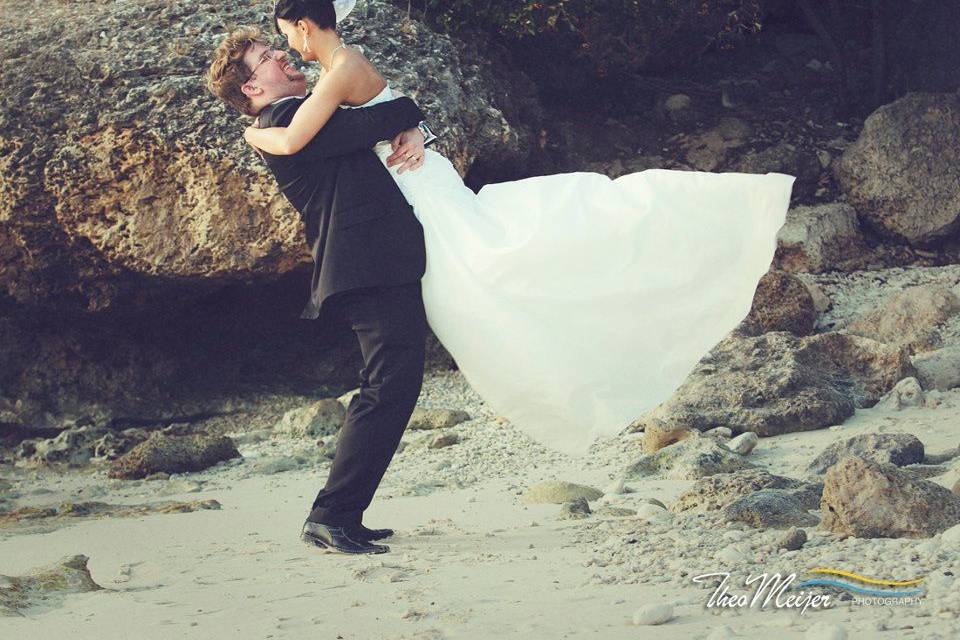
(368, 253)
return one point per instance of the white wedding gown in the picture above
(573, 303)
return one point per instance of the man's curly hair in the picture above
(228, 72)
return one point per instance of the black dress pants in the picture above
(390, 324)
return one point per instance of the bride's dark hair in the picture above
(320, 11)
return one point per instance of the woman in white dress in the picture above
(572, 303)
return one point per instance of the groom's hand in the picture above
(407, 150)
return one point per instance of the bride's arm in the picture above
(329, 92)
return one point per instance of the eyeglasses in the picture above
(269, 54)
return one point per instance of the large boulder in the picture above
(778, 383)
(902, 173)
(870, 500)
(149, 266)
(120, 167)
(911, 318)
(45, 588)
(162, 453)
(719, 490)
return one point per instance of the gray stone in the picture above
(443, 440)
(895, 448)
(425, 419)
(321, 418)
(906, 393)
(717, 491)
(575, 509)
(558, 492)
(820, 238)
(743, 443)
(779, 383)
(769, 509)
(794, 539)
(173, 454)
(938, 369)
(689, 459)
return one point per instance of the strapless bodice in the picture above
(385, 95)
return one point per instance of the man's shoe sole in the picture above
(323, 546)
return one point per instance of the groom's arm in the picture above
(350, 130)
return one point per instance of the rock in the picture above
(689, 459)
(901, 174)
(136, 245)
(442, 440)
(794, 539)
(899, 449)
(173, 454)
(721, 433)
(318, 419)
(769, 509)
(869, 500)
(910, 318)
(821, 238)
(706, 151)
(657, 435)
(45, 588)
(938, 369)
(73, 446)
(821, 302)
(423, 419)
(558, 492)
(717, 491)
(575, 509)
(781, 302)
(906, 393)
(650, 511)
(277, 464)
(653, 614)
(744, 443)
(779, 383)
(784, 158)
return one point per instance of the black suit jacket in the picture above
(360, 229)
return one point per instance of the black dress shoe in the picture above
(362, 533)
(338, 539)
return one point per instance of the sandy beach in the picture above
(469, 559)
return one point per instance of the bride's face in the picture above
(298, 34)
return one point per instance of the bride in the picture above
(572, 303)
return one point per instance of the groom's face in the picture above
(273, 75)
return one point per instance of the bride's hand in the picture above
(407, 150)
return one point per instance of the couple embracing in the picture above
(572, 303)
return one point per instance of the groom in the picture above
(368, 253)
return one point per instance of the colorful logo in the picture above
(864, 585)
